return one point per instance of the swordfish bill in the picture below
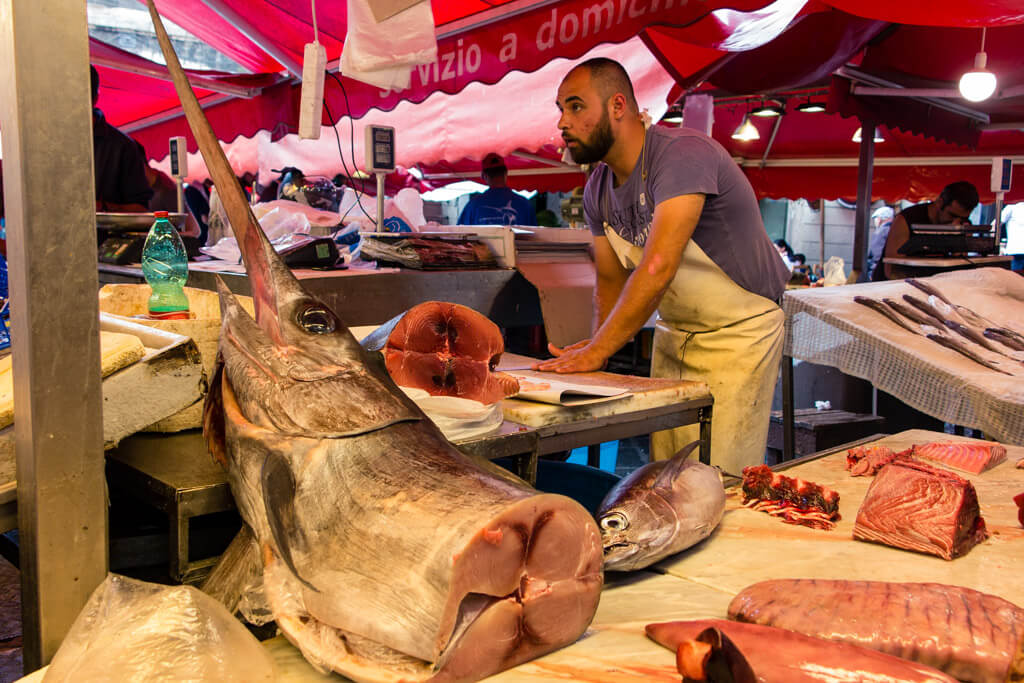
(387, 554)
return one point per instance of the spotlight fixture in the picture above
(746, 131)
(673, 116)
(878, 135)
(809, 107)
(979, 83)
(767, 110)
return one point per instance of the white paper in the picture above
(561, 393)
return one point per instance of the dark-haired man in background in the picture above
(677, 229)
(121, 184)
(499, 204)
(953, 207)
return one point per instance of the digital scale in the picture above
(379, 159)
(949, 240)
(310, 252)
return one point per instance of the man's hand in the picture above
(579, 357)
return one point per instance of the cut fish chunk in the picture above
(969, 457)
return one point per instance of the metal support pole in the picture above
(787, 408)
(865, 170)
(380, 202)
(704, 450)
(45, 115)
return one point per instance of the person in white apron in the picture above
(676, 229)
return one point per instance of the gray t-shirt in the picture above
(683, 161)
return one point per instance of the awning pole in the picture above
(45, 115)
(865, 171)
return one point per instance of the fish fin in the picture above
(378, 339)
(676, 464)
(278, 501)
(213, 416)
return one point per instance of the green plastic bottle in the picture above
(165, 267)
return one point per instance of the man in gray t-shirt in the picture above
(676, 229)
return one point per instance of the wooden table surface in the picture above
(751, 546)
(748, 547)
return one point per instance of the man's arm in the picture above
(611, 279)
(671, 228)
(899, 233)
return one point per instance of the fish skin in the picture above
(926, 308)
(911, 313)
(961, 348)
(666, 506)
(388, 555)
(887, 311)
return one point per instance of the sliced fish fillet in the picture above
(969, 457)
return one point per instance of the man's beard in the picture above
(600, 142)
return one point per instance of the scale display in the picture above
(380, 149)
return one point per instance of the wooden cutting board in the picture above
(645, 393)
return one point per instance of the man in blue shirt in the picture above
(498, 205)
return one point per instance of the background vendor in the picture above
(499, 204)
(953, 207)
(121, 184)
(677, 229)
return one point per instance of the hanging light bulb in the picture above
(809, 107)
(746, 131)
(878, 135)
(979, 83)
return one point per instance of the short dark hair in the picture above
(961, 192)
(94, 79)
(610, 78)
(800, 258)
(494, 173)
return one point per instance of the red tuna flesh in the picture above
(918, 507)
(448, 350)
(969, 457)
(779, 656)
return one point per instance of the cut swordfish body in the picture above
(970, 635)
(388, 555)
(448, 350)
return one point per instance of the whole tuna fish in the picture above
(662, 508)
(388, 555)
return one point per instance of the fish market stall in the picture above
(960, 363)
(750, 546)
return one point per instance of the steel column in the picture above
(787, 408)
(865, 171)
(45, 112)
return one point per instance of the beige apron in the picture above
(711, 329)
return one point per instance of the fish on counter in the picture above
(865, 461)
(969, 635)
(969, 457)
(794, 501)
(915, 506)
(751, 652)
(658, 510)
(445, 349)
(387, 554)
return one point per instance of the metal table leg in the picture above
(594, 455)
(704, 418)
(787, 408)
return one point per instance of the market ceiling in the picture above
(748, 47)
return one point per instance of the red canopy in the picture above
(705, 42)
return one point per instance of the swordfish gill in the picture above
(388, 555)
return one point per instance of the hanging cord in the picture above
(312, 4)
(983, 29)
(352, 145)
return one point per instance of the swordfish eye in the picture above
(614, 521)
(316, 320)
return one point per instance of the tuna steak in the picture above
(448, 350)
(922, 508)
(972, 636)
(660, 509)
(388, 555)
